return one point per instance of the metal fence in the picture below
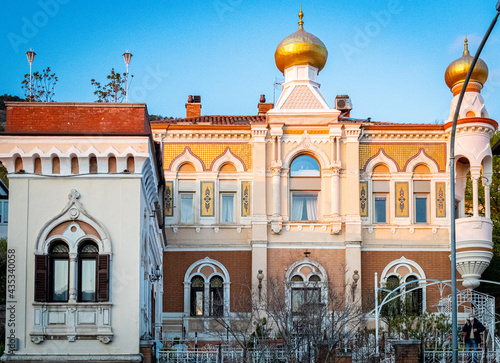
(469, 357)
(221, 356)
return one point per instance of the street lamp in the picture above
(30, 54)
(454, 306)
(127, 57)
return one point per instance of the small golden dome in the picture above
(299, 48)
(457, 70)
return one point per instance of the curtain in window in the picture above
(186, 208)
(305, 207)
(227, 209)
(88, 280)
(60, 280)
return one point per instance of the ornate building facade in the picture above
(85, 238)
(301, 193)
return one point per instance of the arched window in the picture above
(59, 272)
(93, 165)
(75, 169)
(18, 164)
(56, 165)
(37, 165)
(131, 164)
(206, 289)
(216, 296)
(112, 164)
(197, 296)
(87, 271)
(305, 185)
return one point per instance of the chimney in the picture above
(193, 106)
(263, 106)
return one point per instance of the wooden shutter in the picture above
(103, 278)
(41, 277)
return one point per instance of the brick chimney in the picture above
(193, 106)
(263, 106)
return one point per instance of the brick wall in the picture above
(175, 265)
(77, 118)
(436, 265)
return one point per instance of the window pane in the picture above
(60, 280)
(304, 207)
(88, 280)
(2, 217)
(304, 166)
(227, 208)
(380, 210)
(421, 210)
(297, 300)
(198, 303)
(187, 208)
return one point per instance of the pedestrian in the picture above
(472, 329)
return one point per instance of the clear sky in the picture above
(389, 56)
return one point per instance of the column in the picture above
(73, 283)
(487, 198)
(475, 195)
(276, 180)
(335, 191)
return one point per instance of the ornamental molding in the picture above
(208, 135)
(74, 211)
(306, 146)
(399, 135)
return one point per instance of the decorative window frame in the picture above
(195, 270)
(414, 269)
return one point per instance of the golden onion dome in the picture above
(300, 48)
(457, 70)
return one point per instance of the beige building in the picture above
(302, 193)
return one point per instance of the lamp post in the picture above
(30, 54)
(454, 306)
(127, 57)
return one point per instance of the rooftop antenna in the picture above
(276, 82)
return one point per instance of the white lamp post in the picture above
(31, 55)
(127, 57)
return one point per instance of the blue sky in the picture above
(389, 56)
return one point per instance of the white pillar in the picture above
(276, 173)
(73, 278)
(475, 196)
(487, 200)
(335, 191)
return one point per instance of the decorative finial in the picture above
(301, 15)
(466, 45)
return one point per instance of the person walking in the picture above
(472, 329)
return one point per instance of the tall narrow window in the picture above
(187, 212)
(87, 272)
(421, 192)
(59, 268)
(4, 211)
(216, 296)
(380, 208)
(413, 299)
(197, 296)
(227, 211)
(305, 184)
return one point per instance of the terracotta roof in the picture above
(215, 120)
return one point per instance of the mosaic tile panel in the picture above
(207, 199)
(401, 199)
(245, 198)
(402, 153)
(169, 202)
(440, 199)
(208, 152)
(363, 199)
